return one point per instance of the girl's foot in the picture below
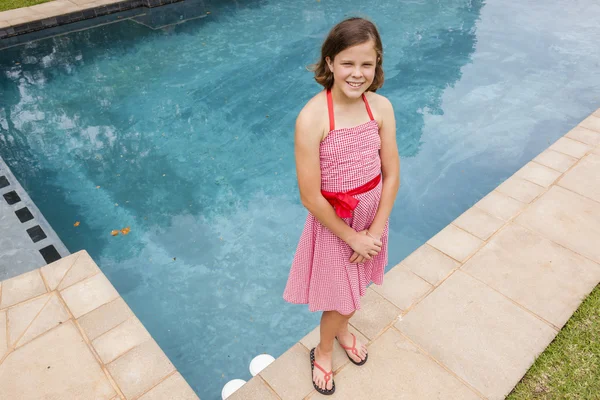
(324, 360)
(356, 350)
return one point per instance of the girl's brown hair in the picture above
(348, 33)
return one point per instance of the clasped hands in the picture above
(365, 246)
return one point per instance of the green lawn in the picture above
(570, 367)
(10, 4)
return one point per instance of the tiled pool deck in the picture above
(463, 317)
(60, 12)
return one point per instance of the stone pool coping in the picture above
(66, 333)
(467, 313)
(61, 12)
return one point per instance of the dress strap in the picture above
(368, 108)
(330, 108)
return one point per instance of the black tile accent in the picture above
(49, 22)
(100, 11)
(3, 33)
(50, 254)
(36, 233)
(3, 182)
(89, 13)
(12, 197)
(35, 25)
(76, 16)
(20, 29)
(24, 214)
(113, 8)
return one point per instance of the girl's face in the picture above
(354, 69)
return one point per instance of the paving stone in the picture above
(555, 160)
(542, 276)
(585, 135)
(584, 178)
(568, 219)
(339, 354)
(55, 7)
(597, 113)
(22, 315)
(455, 242)
(140, 369)
(570, 147)
(500, 205)
(82, 268)
(88, 295)
(54, 272)
(52, 315)
(105, 318)
(254, 389)
(596, 150)
(58, 365)
(430, 264)
(172, 388)
(402, 287)
(477, 333)
(478, 223)
(375, 315)
(538, 174)
(120, 339)
(21, 288)
(4, 24)
(592, 122)
(289, 375)
(398, 370)
(520, 189)
(24, 12)
(3, 335)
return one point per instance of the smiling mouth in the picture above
(355, 84)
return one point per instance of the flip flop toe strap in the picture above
(327, 376)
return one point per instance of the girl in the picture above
(348, 174)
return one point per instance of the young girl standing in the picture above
(348, 175)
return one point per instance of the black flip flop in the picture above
(328, 376)
(353, 350)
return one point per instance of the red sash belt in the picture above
(343, 203)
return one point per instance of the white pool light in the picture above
(259, 363)
(231, 386)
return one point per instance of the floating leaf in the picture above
(114, 232)
(76, 223)
(97, 187)
(125, 231)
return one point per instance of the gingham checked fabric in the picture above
(321, 274)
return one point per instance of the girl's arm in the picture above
(307, 142)
(390, 168)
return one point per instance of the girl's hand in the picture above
(364, 246)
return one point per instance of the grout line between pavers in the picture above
(269, 387)
(91, 348)
(442, 365)
(67, 272)
(521, 306)
(14, 347)
(44, 280)
(159, 382)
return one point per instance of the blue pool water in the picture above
(185, 133)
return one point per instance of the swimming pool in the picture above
(185, 134)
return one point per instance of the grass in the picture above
(570, 367)
(12, 4)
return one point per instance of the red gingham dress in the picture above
(321, 274)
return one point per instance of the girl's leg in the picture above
(331, 322)
(345, 337)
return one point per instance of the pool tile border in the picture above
(132, 362)
(36, 20)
